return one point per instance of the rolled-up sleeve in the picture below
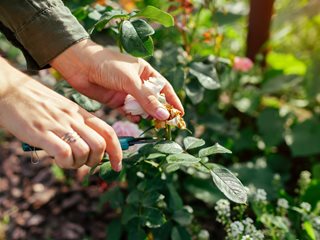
(44, 28)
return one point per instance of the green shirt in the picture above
(42, 29)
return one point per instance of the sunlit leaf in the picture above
(206, 74)
(133, 43)
(156, 15)
(215, 149)
(168, 147)
(192, 142)
(228, 183)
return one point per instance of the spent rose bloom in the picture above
(125, 128)
(131, 105)
(155, 85)
(242, 64)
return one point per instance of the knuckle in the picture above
(82, 151)
(63, 152)
(99, 145)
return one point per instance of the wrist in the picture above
(76, 61)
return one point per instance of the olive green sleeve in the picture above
(42, 28)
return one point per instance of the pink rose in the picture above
(125, 128)
(242, 64)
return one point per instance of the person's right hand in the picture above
(41, 117)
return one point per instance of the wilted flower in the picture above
(125, 128)
(305, 206)
(260, 196)
(242, 64)
(155, 85)
(175, 119)
(283, 203)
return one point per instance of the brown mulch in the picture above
(36, 205)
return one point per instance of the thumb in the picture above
(149, 102)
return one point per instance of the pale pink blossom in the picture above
(154, 85)
(125, 128)
(242, 64)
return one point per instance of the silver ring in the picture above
(70, 137)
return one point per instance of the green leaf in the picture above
(136, 234)
(281, 83)
(106, 172)
(192, 142)
(129, 212)
(156, 15)
(180, 233)
(106, 18)
(228, 183)
(153, 217)
(86, 103)
(114, 230)
(175, 161)
(174, 201)
(274, 222)
(113, 196)
(215, 149)
(133, 43)
(206, 74)
(195, 92)
(309, 230)
(271, 126)
(183, 217)
(182, 158)
(177, 77)
(143, 28)
(305, 138)
(168, 147)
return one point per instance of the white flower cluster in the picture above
(305, 206)
(316, 223)
(260, 196)
(304, 181)
(223, 208)
(244, 229)
(283, 203)
(236, 229)
(246, 237)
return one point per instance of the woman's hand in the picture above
(37, 115)
(108, 77)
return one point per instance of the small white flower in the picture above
(261, 195)
(283, 203)
(236, 229)
(316, 223)
(223, 208)
(305, 206)
(246, 237)
(154, 85)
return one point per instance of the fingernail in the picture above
(162, 114)
(119, 167)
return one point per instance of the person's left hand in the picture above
(108, 77)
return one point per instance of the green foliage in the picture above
(268, 117)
